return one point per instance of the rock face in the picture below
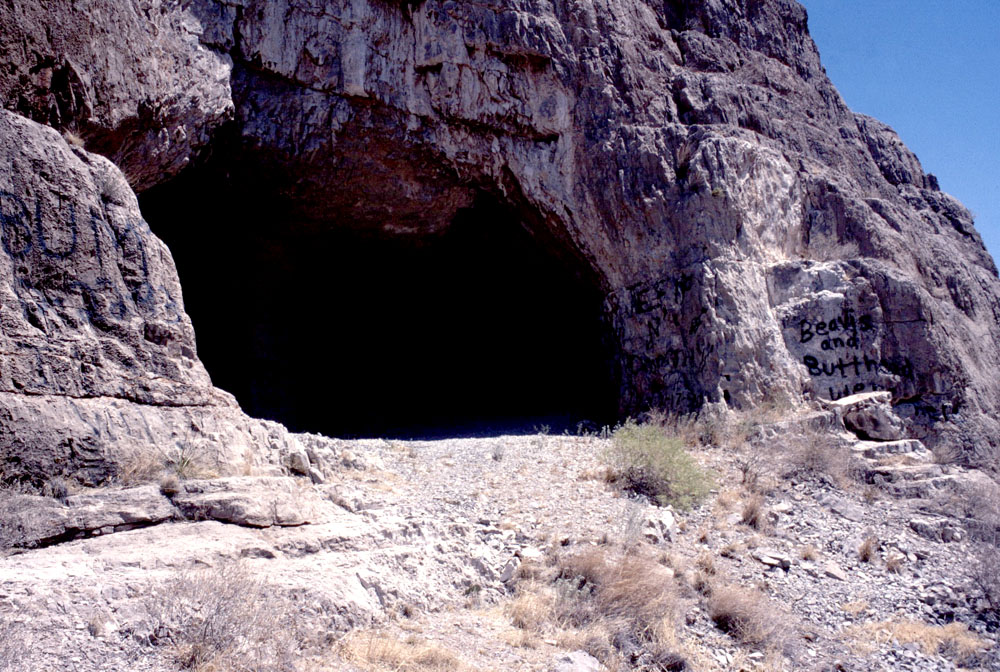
(752, 237)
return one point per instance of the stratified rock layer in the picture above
(754, 239)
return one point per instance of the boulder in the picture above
(577, 661)
(30, 521)
(937, 529)
(658, 526)
(870, 416)
(251, 502)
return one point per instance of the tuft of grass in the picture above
(748, 615)
(72, 138)
(649, 463)
(705, 563)
(532, 609)
(894, 562)
(381, 652)
(868, 549)
(755, 513)
(182, 461)
(170, 485)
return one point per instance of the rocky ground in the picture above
(495, 553)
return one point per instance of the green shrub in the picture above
(649, 463)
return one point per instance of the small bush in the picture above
(223, 619)
(752, 468)
(818, 455)
(614, 605)
(986, 575)
(649, 463)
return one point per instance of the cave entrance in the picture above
(346, 331)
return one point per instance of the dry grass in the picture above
(533, 608)
(72, 138)
(816, 454)
(732, 549)
(705, 563)
(755, 514)
(633, 587)
(521, 639)
(868, 550)
(13, 644)
(224, 619)
(145, 466)
(140, 467)
(748, 615)
(607, 602)
(954, 640)
(855, 608)
(700, 582)
(894, 562)
(986, 574)
(726, 500)
(381, 652)
(809, 553)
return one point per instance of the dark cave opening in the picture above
(349, 331)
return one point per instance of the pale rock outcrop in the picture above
(98, 363)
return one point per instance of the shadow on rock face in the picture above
(331, 327)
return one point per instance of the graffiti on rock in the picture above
(840, 351)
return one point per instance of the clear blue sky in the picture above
(931, 70)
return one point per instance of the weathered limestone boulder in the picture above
(253, 502)
(30, 521)
(753, 238)
(870, 416)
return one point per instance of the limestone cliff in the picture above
(753, 238)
